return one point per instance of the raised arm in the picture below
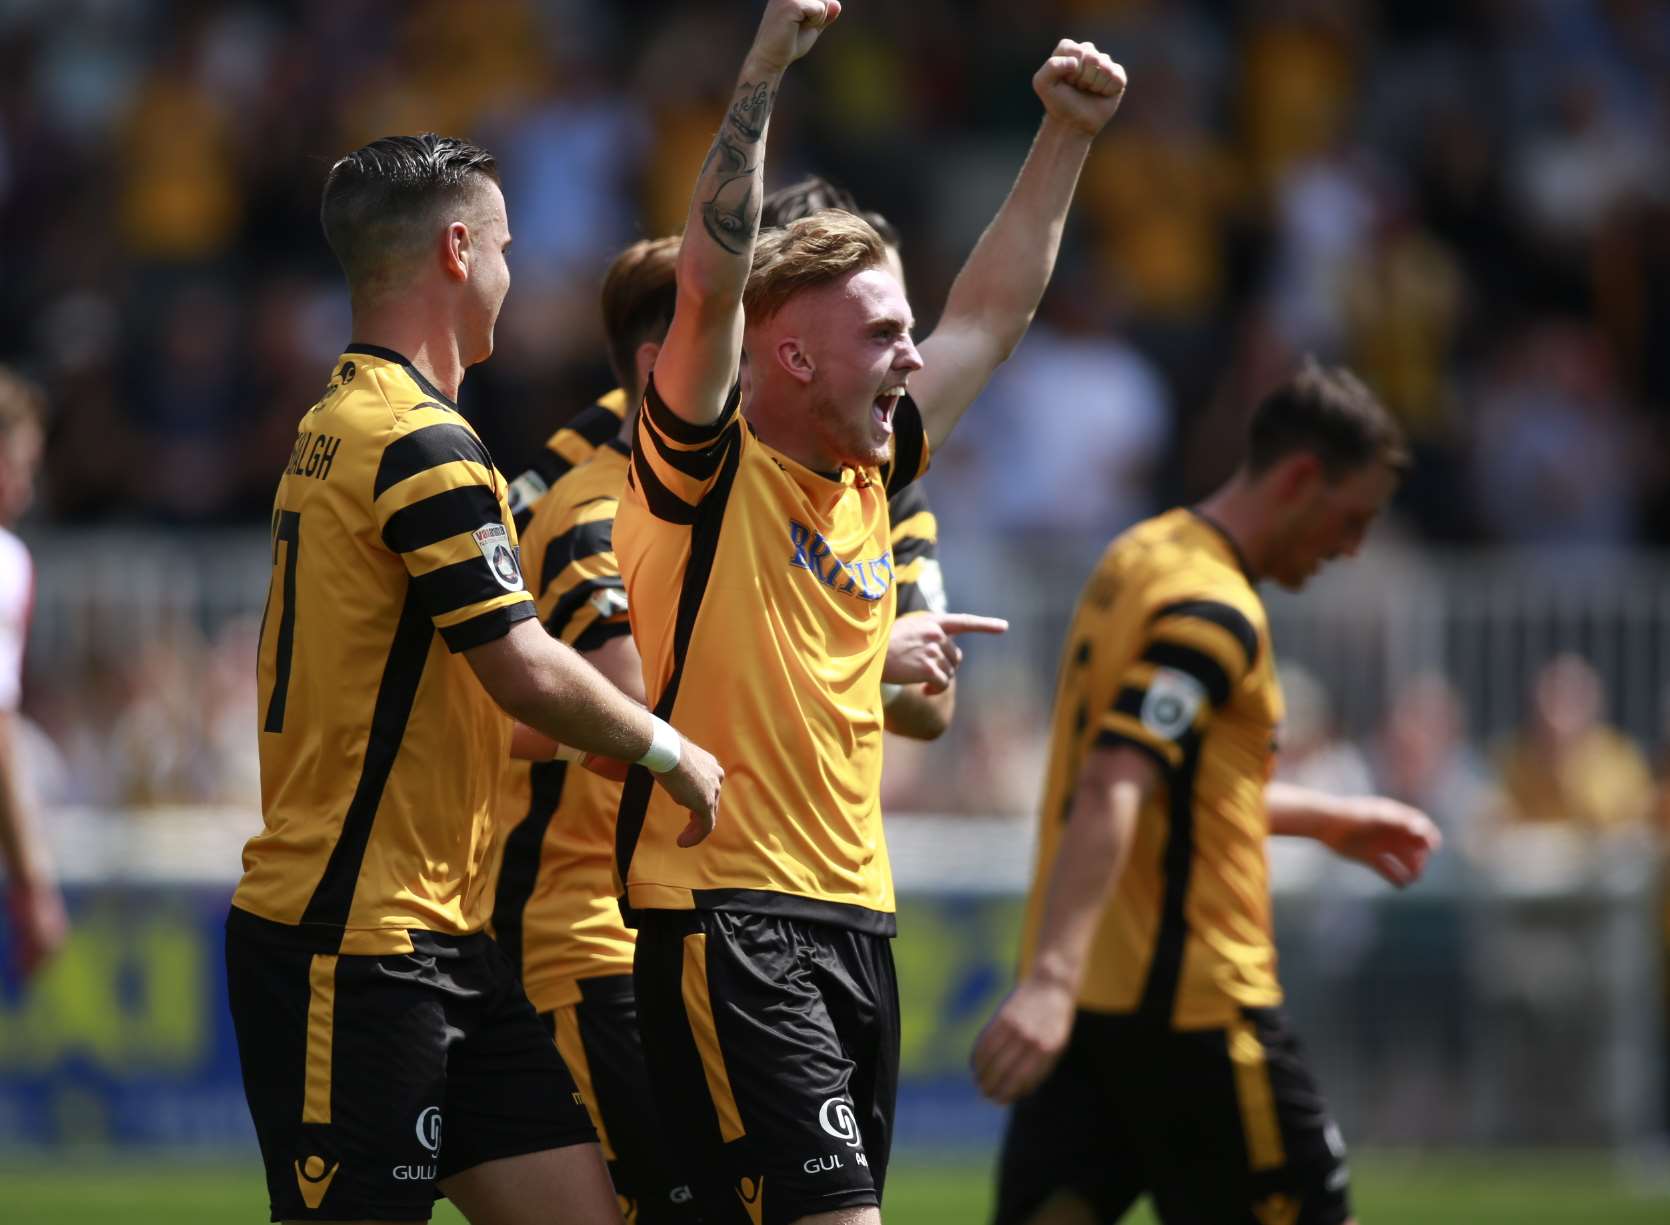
(994, 296)
(697, 365)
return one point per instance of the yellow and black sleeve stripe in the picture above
(583, 589)
(1196, 653)
(918, 585)
(569, 447)
(435, 486)
(676, 463)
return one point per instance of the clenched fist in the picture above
(1080, 86)
(788, 28)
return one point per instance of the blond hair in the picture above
(814, 251)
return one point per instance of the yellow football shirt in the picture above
(571, 445)
(1169, 652)
(760, 594)
(393, 549)
(555, 911)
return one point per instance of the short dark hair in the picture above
(1329, 412)
(380, 199)
(813, 194)
(640, 291)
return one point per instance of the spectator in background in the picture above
(35, 904)
(1555, 450)
(1422, 756)
(1082, 413)
(1312, 751)
(1566, 765)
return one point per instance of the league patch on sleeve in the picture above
(1173, 700)
(493, 539)
(525, 490)
(931, 583)
(608, 601)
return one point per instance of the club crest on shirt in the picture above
(868, 580)
(493, 539)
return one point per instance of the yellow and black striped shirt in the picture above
(761, 600)
(1169, 652)
(918, 584)
(555, 911)
(570, 446)
(393, 549)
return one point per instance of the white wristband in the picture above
(889, 691)
(664, 749)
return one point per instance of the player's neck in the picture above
(1235, 511)
(789, 437)
(432, 353)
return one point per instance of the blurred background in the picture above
(1467, 201)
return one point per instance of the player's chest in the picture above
(818, 554)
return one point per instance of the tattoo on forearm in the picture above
(750, 111)
(732, 213)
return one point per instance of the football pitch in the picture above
(1389, 1190)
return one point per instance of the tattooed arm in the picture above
(697, 365)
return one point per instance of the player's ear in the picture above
(457, 251)
(645, 357)
(1299, 476)
(795, 360)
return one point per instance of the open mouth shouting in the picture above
(883, 406)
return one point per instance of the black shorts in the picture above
(1219, 1126)
(352, 1064)
(598, 1040)
(773, 1049)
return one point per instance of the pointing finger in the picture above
(968, 623)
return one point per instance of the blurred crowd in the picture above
(1468, 201)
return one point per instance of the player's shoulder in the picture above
(1178, 559)
(377, 398)
(586, 493)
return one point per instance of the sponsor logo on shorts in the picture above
(1334, 1141)
(836, 1117)
(429, 1128)
(313, 1179)
(751, 1191)
(414, 1173)
(1277, 1210)
(681, 1195)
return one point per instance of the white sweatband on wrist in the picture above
(664, 749)
(890, 691)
